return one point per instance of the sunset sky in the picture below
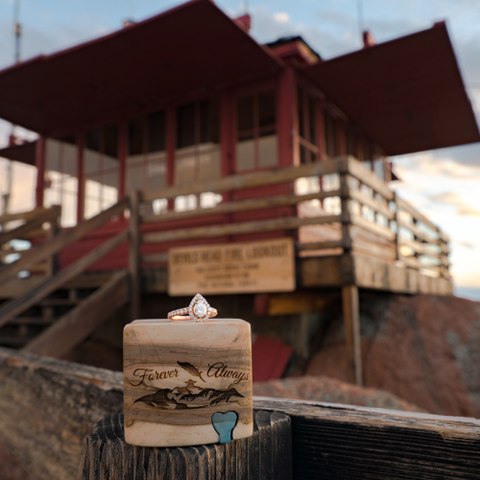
(443, 184)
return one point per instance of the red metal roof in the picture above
(406, 94)
(191, 48)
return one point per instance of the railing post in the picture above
(350, 304)
(346, 203)
(351, 318)
(134, 254)
(397, 233)
(51, 261)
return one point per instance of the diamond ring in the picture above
(198, 310)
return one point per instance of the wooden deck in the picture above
(352, 233)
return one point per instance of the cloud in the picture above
(281, 17)
(454, 199)
(269, 26)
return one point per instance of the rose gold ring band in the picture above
(198, 310)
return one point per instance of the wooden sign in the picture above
(187, 382)
(264, 266)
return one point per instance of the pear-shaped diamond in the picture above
(199, 308)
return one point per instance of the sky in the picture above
(442, 184)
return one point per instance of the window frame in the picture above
(254, 91)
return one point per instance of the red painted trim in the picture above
(287, 118)
(170, 140)
(341, 139)
(80, 176)
(40, 164)
(122, 157)
(227, 133)
(255, 87)
(245, 22)
(297, 53)
(320, 131)
(359, 148)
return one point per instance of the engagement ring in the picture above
(198, 310)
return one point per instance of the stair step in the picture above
(89, 280)
(31, 321)
(12, 341)
(59, 302)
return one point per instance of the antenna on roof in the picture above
(245, 5)
(361, 26)
(17, 30)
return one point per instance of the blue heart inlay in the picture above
(224, 423)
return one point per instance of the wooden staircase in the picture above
(57, 309)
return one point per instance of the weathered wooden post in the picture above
(265, 455)
(134, 253)
(350, 305)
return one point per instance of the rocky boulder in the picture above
(323, 389)
(424, 349)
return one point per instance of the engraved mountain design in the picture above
(191, 369)
(182, 398)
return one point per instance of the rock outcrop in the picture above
(424, 349)
(323, 389)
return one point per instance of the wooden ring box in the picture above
(187, 383)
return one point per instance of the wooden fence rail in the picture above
(48, 406)
(40, 222)
(371, 218)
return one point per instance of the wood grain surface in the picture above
(265, 455)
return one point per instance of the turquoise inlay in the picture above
(224, 423)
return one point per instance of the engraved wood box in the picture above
(187, 382)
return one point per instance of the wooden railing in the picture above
(48, 407)
(41, 222)
(48, 249)
(369, 217)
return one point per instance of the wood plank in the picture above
(417, 231)
(289, 223)
(386, 252)
(351, 319)
(422, 248)
(59, 302)
(326, 244)
(18, 286)
(155, 258)
(367, 177)
(266, 455)
(134, 238)
(33, 223)
(251, 180)
(155, 280)
(13, 341)
(163, 346)
(414, 262)
(32, 321)
(371, 202)
(48, 406)
(321, 272)
(80, 322)
(11, 217)
(373, 227)
(374, 273)
(46, 432)
(89, 280)
(346, 442)
(54, 245)
(294, 303)
(246, 267)
(241, 206)
(405, 206)
(15, 307)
